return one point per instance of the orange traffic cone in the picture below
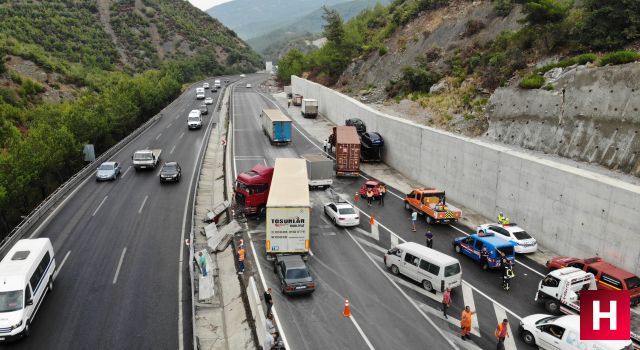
(372, 219)
(347, 309)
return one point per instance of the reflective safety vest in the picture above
(501, 331)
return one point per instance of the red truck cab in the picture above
(252, 189)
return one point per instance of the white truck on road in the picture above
(216, 83)
(320, 170)
(146, 158)
(309, 108)
(288, 209)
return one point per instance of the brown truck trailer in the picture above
(346, 145)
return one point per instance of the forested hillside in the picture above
(78, 72)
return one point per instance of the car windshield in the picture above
(508, 251)
(452, 270)
(546, 319)
(11, 301)
(194, 119)
(521, 235)
(169, 167)
(106, 167)
(346, 211)
(633, 282)
(297, 273)
(374, 137)
(143, 156)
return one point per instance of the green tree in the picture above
(333, 30)
(610, 24)
(547, 11)
(292, 63)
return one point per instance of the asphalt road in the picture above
(118, 248)
(347, 264)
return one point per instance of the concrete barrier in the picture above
(572, 211)
(256, 309)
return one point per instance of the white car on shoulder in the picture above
(208, 101)
(511, 232)
(248, 86)
(342, 214)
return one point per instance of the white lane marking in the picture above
(182, 240)
(115, 277)
(159, 171)
(177, 116)
(264, 286)
(55, 211)
(375, 233)
(125, 172)
(509, 342)
(467, 297)
(99, 205)
(517, 262)
(248, 157)
(353, 320)
(371, 245)
(168, 126)
(433, 325)
(143, 202)
(172, 149)
(64, 260)
(310, 252)
(491, 299)
(157, 137)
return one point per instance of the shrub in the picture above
(547, 11)
(619, 57)
(383, 50)
(473, 27)
(585, 58)
(503, 7)
(532, 81)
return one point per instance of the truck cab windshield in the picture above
(142, 156)
(11, 301)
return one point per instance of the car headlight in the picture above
(17, 325)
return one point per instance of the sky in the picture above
(206, 4)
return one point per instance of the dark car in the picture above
(170, 172)
(294, 275)
(203, 109)
(372, 139)
(358, 123)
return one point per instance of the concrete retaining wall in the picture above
(571, 211)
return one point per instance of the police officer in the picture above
(503, 220)
(484, 258)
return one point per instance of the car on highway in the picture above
(203, 109)
(357, 123)
(170, 172)
(194, 120)
(294, 275)
(248, 86)
(108, 171)
(342, 214)
(372, 139)
(472, 245)
(205, 85)
(608, 276)
(242, 75)
(511, 232)
(208, 101)
(226, 80)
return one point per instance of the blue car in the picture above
(473, 244)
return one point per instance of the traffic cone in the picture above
(372, 219)
(347, 309)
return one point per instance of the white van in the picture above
(194, 120)
(216, 83)
(199, 93)
(563, 333)
(424, 265)
(26, 275)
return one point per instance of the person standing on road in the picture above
(268, 299)
(383, 192)
(484, 257)
(369, 196)
(269, 325)
(502, 332)
(429, 236)
(241, 253)
(465, 322)
(446, 301)
(269, 341)
(203, 264)
(326, 145)
(414, 218)
(288, 103)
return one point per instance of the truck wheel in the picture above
(457, 249)
(427, 285)
(394, 270)
(528, 338)
(552, 306)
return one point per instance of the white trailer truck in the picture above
(146, 158)
(309, 108)
(288, 209)
(320, 170)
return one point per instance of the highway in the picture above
(392, 311)
(118, 246)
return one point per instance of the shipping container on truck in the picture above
(346, 145)
(297, 99)
(276, 126)
(288, 209)
(309, 108)
(319, 169)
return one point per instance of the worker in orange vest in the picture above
(502, 332)
(465, 322)
(241, 254)
(369, 196)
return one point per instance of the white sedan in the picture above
(205, 85)
(342, 214)
(248, 86)
(208, 101)
(524, 242)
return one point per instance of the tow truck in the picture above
(432, 203)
